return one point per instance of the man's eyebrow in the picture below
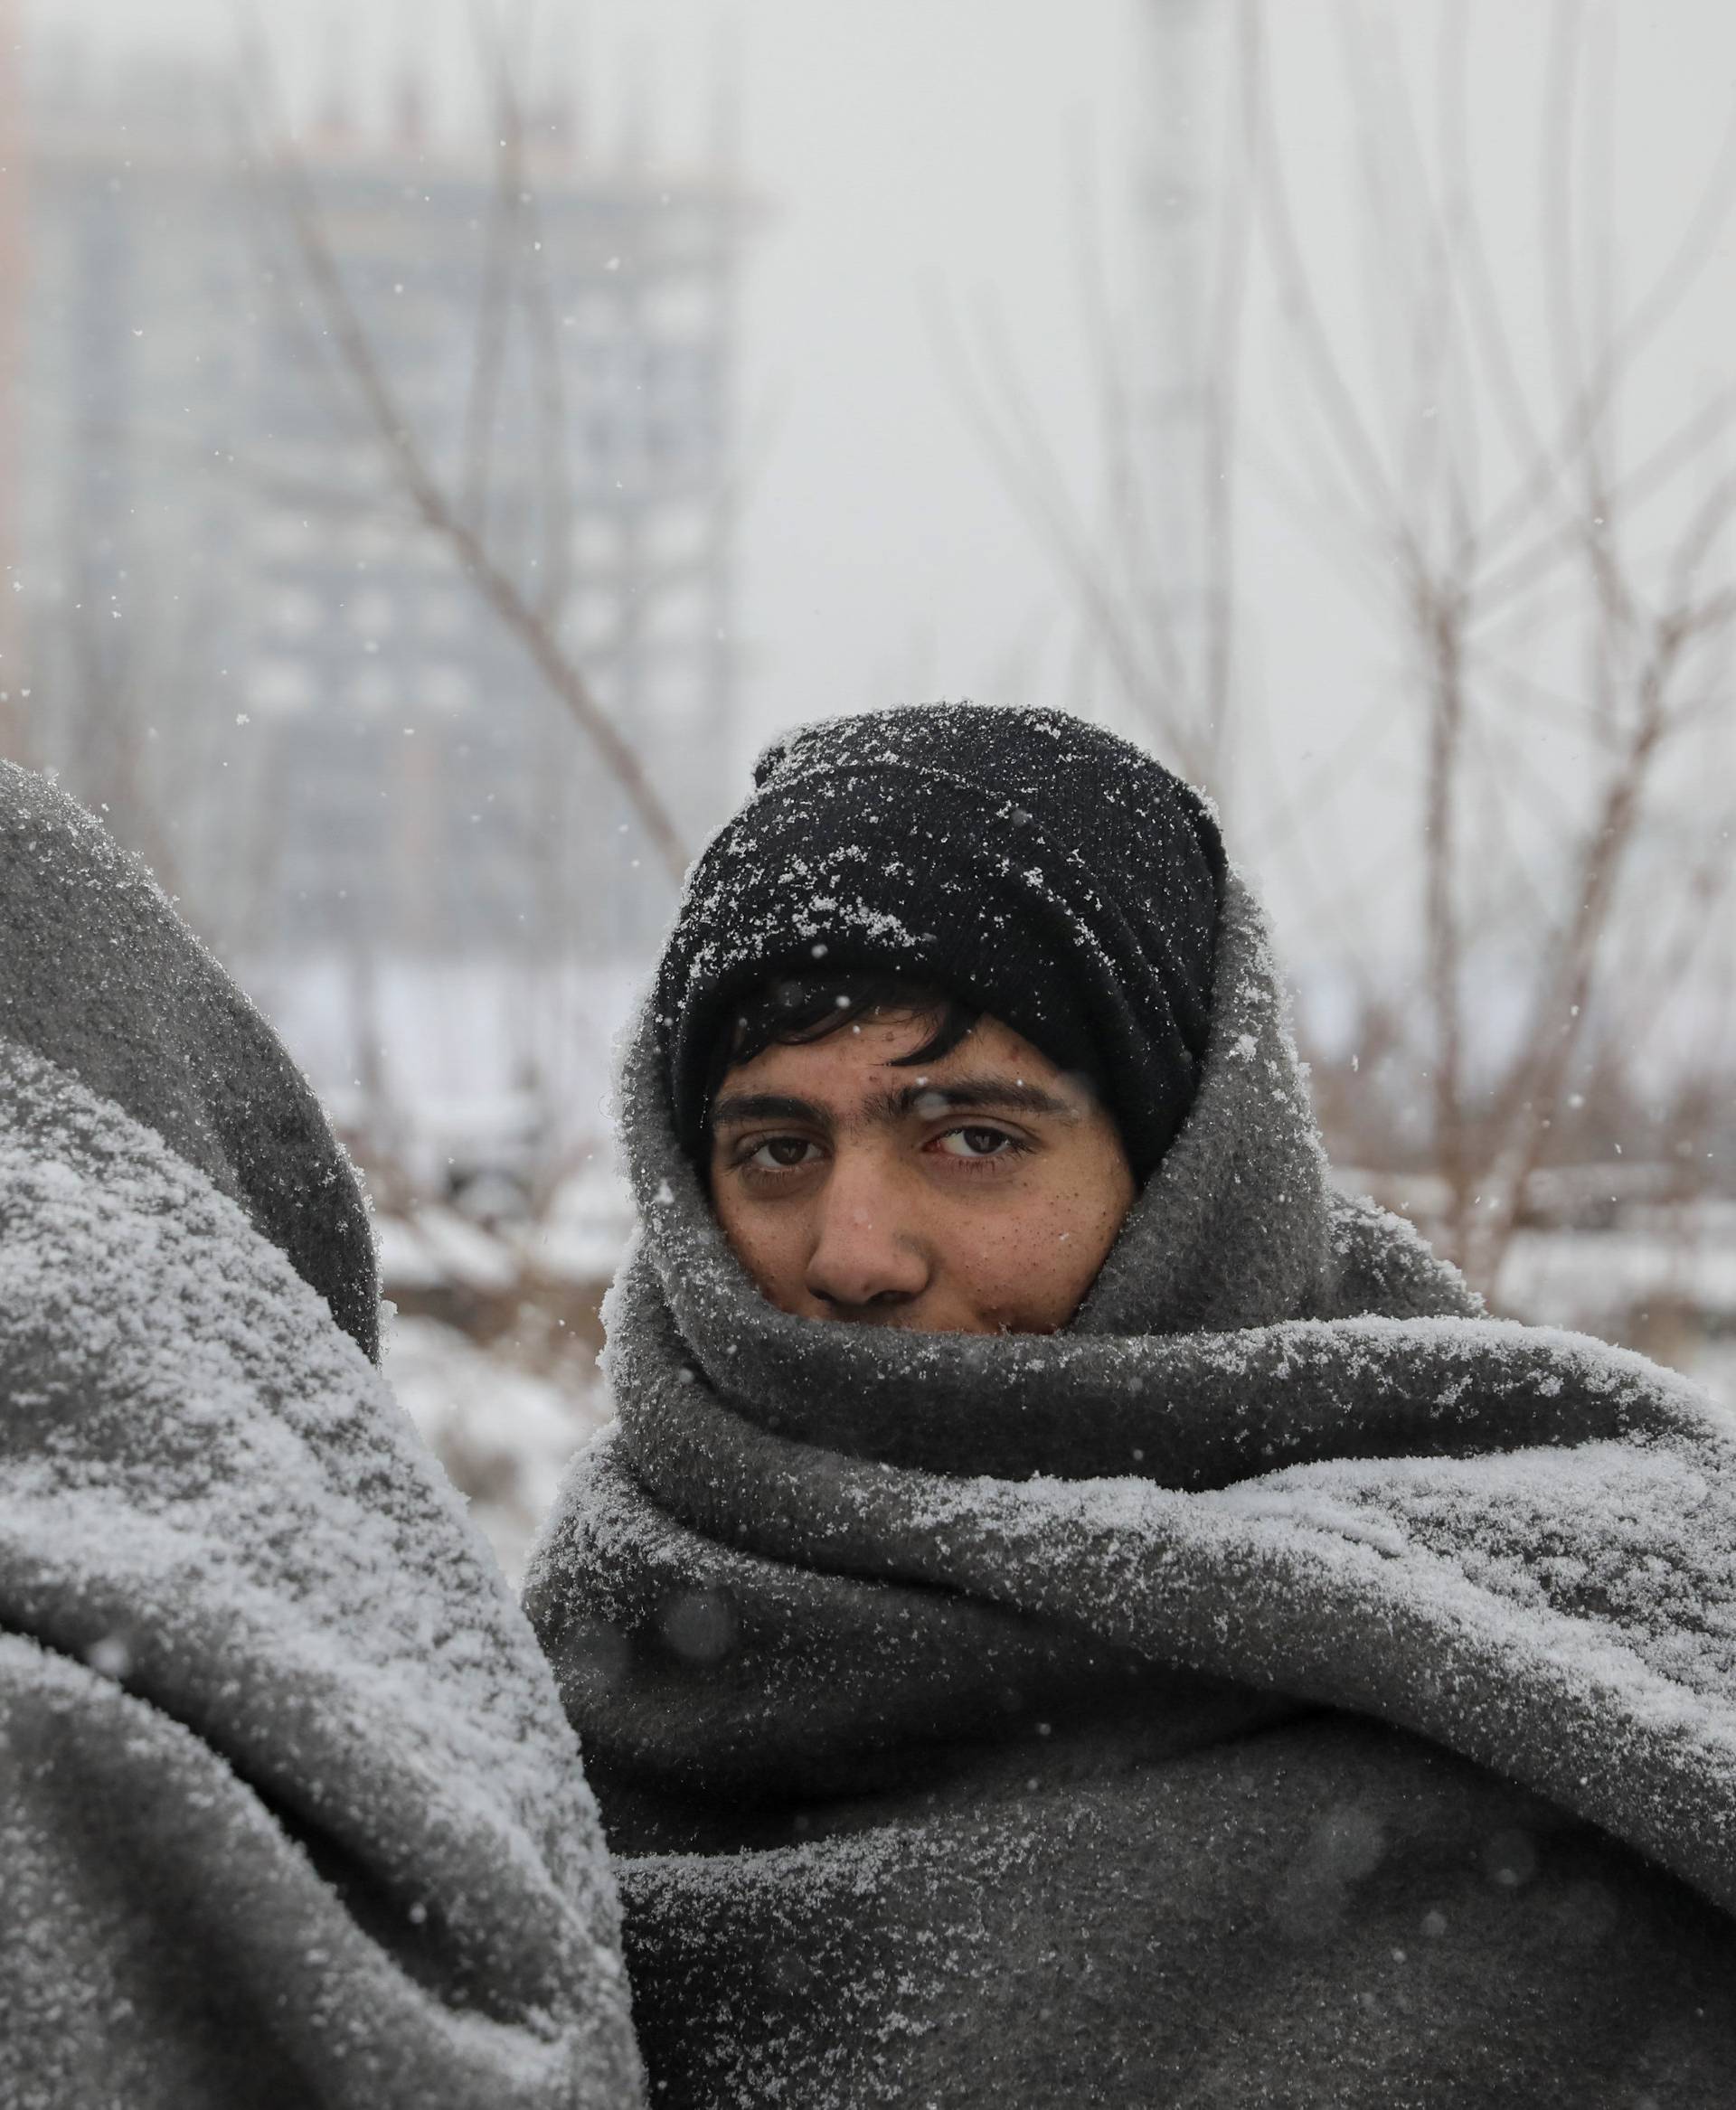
(766, 1107)
(965, 1095)
(975, 1095)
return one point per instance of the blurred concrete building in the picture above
(241, 636)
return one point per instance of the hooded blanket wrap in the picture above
(290, 1814)
(1288, 1685)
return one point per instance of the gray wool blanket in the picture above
(1286, 1686)
(290, 1814)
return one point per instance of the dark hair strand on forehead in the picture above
(795, 1010)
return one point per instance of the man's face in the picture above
(978, 1193)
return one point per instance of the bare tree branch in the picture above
(445, 515)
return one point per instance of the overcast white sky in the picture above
(916, 152)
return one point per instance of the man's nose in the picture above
(865, 1255)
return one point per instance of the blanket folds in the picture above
(1043, 1676)
(288, 1812)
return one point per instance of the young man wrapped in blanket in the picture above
(1073, 1608)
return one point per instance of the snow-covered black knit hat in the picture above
(1031, 865)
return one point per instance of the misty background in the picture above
(445, 442)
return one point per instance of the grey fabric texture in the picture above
(290, 1813)
(1286, 1685)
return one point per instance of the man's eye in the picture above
(976, 1143)
(781, 1153)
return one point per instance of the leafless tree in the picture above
(1609, 573)
(1528, 568)
(513, 313)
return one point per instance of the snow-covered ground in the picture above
(1594, 1279)
(503, 1432)
(580, 1238)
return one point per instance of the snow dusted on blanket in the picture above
(290, 1813)
(99, 975)
(1276, 1450)
(243, 1612)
